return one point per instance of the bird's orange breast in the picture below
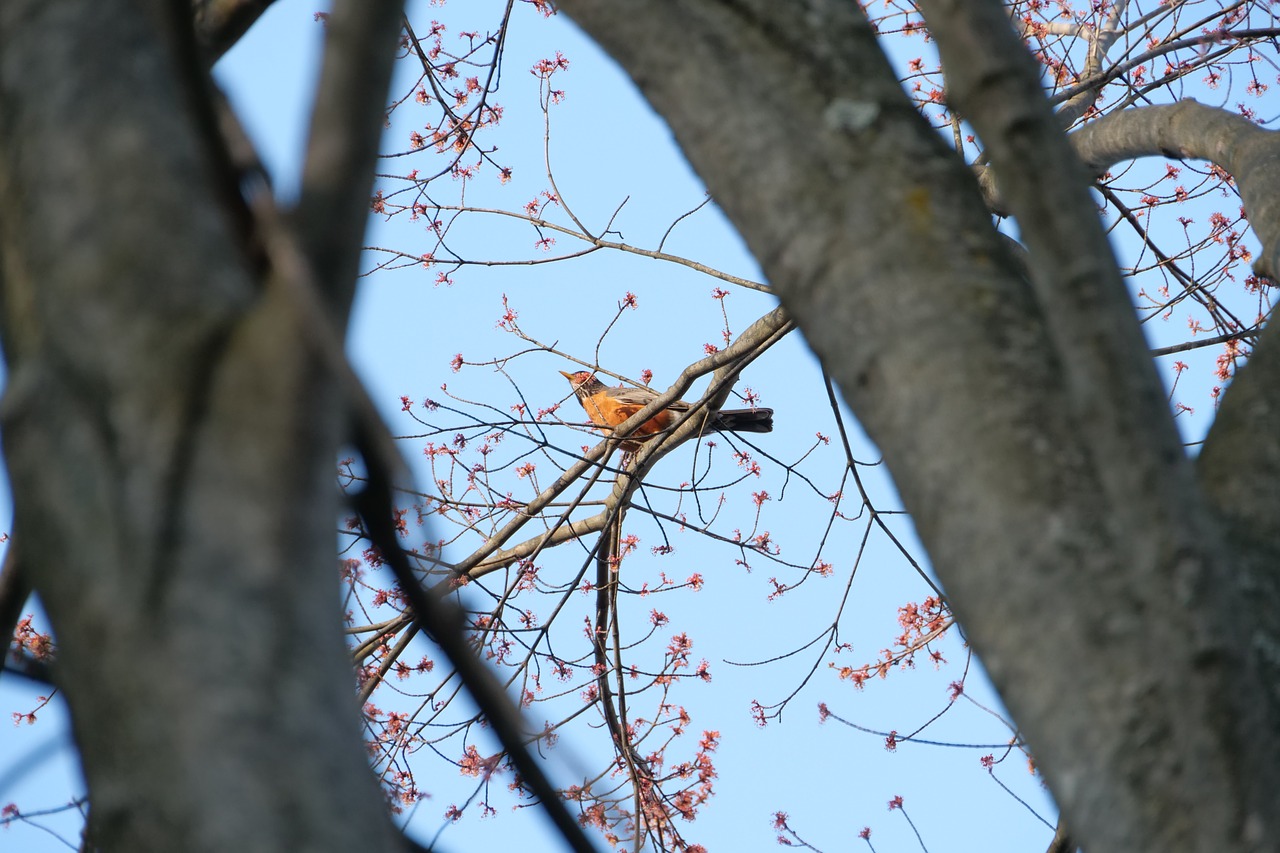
(605, 411)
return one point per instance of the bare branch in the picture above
(727, 362)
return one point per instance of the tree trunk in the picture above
(1024, 425)
(170, 440)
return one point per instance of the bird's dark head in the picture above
(582, 380)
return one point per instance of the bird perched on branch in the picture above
(608, 407)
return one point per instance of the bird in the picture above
(607, 407)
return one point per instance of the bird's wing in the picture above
(639, 397)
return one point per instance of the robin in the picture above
(608, 407)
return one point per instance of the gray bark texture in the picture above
(220, 23)
(170, 434)
(1122, 599)
(172, 410)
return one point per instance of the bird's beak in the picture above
(568, 376)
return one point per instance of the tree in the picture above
(158, 374)
(1024, 423)
(1015, 402)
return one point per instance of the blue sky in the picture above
(609, 148)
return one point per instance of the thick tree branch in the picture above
(875, 238)
(1100, 41)
(346, 126)
(170, 438)
(221, 23)
(1239, 467)
(994, 82)
(1155, 502)
(1240, 456)
(1190, 130)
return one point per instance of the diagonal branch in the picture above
(727, 362)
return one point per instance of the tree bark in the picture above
(221, 23)
(1024, 426)
(170, 440)
(173, 408)
(1190, 130)
(342, 145)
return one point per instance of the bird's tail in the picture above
(745, 420)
